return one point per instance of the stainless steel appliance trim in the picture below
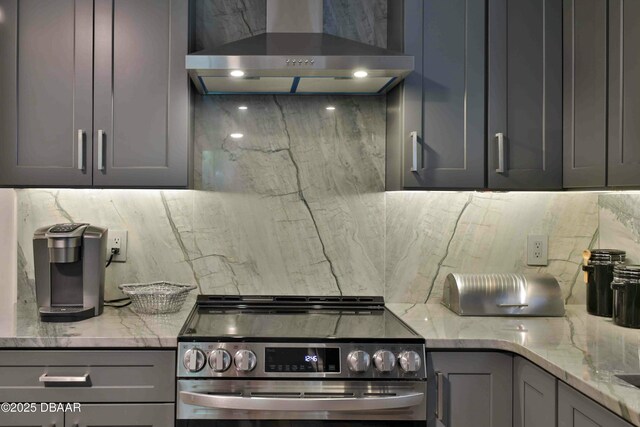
(46, 379)
(305, 404)
(260, 372)
(312, 399)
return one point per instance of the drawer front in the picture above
(35, 419)
(87, 376)
(162, 415)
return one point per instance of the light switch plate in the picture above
(118, 239)
(538, 250)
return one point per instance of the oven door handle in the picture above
(350, 404)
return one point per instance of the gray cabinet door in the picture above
(36, 419)
(476, 389)
(158, 415)
(577, 410)
(585, 93)
(534, 395)
(443, 100)
(624, 93)
(141, 93)
(46, 51)
(525, 94)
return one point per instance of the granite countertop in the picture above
(582, 350)
(117, 328)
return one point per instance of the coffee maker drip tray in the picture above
(65, 314)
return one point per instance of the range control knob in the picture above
(384, 360)
(410, 361)
(245, 360)
(219, 360)
(194, 360)
(358, 361)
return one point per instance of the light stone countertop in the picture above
(116, 328)
(582, 350)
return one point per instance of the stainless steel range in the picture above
(303, 361)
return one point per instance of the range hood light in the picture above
(236, 73)
(236, 135)
(360, 74)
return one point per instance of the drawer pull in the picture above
(79, 380)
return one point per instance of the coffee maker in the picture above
(69, 263)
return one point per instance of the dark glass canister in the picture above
(626, 295)
(600, 275)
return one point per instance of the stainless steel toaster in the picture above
(503, 294)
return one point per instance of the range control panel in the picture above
(302, 360)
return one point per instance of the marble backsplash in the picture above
(431, 234)
(620, 223)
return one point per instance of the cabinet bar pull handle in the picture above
(81, 157)
(46, 379)
(513, 305)
(101, 150)
(440, 396)
(414, 151)
(501, 159)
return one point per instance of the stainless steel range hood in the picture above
(295, 57)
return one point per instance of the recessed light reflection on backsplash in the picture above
(243, 107)
(331, 108)
(236, 135)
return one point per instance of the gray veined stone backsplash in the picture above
(297, 206)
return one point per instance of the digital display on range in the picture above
(302, 359)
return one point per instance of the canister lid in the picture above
(626, 272)
(607, 256)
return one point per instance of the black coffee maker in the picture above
(69, 262)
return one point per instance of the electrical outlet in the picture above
(118, 240)
(538, 250)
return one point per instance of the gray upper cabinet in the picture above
(141, 112)
(624, 93)
(443, 101)
(534, 395)
(577, 410)
(469, 389)
(585, 93)
(106, 104)
(46, 51)
(525, 94)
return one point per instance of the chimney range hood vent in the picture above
(294, 57)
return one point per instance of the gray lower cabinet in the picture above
(104, 105)
(99, 380)
(624, 93)
(160, 415)
(469, 389)
(534, 395)
(36, 419)
(525, 94)
(585, 93)
(577, 410)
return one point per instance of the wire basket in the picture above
(156, 297)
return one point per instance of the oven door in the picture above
(270, 403)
